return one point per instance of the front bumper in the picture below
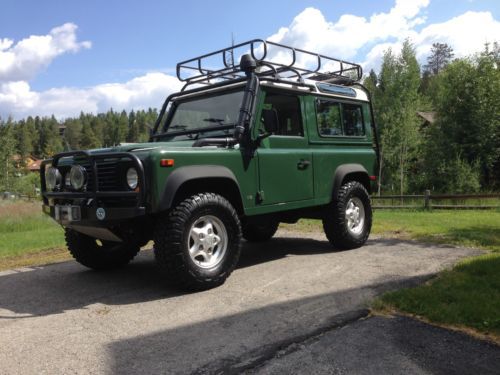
(92, 204)
(88, 215)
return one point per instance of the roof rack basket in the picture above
(273, 59)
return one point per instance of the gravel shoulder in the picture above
(62, 318)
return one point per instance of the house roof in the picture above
(430, 117)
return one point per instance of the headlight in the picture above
(132, 178)
(52, 178)
(77, 177)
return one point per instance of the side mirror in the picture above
(270, 120)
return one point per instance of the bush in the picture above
(27, 184)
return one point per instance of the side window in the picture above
(328, 117)
(337, 119)
(289, 116)
(353, 120)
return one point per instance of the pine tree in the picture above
(133, 128)
(441, 55)
(398, 100)
(24, 141)
(7, 152)
(88, 138)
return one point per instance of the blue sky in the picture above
(107, 53)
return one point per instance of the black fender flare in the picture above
(182, 175)
(346, 169)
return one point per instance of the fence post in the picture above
(427, 199)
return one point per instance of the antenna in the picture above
(230, 54)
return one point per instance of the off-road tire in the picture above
(335, 223)
(171, 242)
(259, 231)
(99, 254)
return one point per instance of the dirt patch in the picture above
(35, 259)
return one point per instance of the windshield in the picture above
(208, 116)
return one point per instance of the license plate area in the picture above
(67, 213)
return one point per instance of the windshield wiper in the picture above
(220, 121)
(178, 126)
(184, 131)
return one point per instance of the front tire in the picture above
(348, 222)
(198, 243)
(99, 254)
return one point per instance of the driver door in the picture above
(284, 159)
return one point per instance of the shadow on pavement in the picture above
(388, 345)
(242, 341)
(55, 288)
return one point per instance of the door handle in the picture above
(303, 164)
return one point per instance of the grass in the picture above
(480, 229)
(467, 228)
(27, 236)
(466, 296)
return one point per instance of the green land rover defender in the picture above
(283, 135)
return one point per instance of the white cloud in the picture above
(149, 90)
(350, 37)
(23, 60)
(350, 34)
(311, 31)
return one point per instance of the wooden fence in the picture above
(437, 201)
(423, 201)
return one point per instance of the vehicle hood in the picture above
(143, 147)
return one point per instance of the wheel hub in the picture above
(207, 241)
(355, 215)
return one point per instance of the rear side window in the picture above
(339, 119)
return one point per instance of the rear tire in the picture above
(263, 230)
(348, 222)
(99, 254)
(197, 243)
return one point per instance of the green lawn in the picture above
(25, 229)
(468, 228)
(466, 296)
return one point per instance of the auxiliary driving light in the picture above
(77, 177)
(52, 178)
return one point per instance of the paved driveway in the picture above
(62, 318)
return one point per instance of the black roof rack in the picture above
(273, 59)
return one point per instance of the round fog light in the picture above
(52, 178)
(132, 178)
(77, 177)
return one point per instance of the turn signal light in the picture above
(167, 163)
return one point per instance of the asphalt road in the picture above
(64, 319)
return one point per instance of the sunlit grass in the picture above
(25, 229)
(470, 228)
(466, 296)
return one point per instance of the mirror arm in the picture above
(260, 138)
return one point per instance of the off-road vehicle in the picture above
(284, 134)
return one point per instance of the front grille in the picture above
(109, 174)
(108, 178)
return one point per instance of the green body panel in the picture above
(331, 152)
(280, 178)
(272, 179)
(232, 159)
